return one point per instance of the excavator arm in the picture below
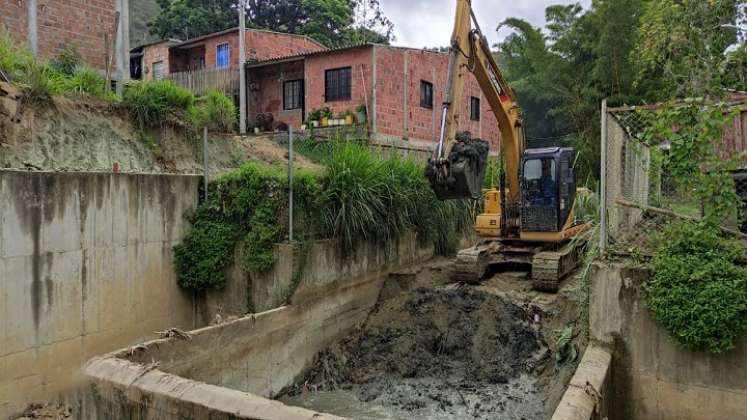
(458, 164)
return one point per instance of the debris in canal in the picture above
(434, 353)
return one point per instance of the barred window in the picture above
(426, 94)
(337, 84)
(292, 94)
(223, 56)
(474, 109)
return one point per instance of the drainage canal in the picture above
(445, 352)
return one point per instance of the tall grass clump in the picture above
(214, 110)
(366, 197)
(152, 102)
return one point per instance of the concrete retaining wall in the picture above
(85, 268)
(585, 398)
(259, 354)
(653, 378)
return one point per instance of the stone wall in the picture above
(653, 377)
(85, 267)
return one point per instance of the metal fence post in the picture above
(205, 157)
(290, 183)
(603, 182)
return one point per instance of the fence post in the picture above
(290, 183)
(603, 182)
(205, 157)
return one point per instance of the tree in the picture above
(334, 23)
(682, 45)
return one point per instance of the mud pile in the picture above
(433, 353)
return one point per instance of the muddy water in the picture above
(433, 353)
(519, 399)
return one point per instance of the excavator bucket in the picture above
(460, 176)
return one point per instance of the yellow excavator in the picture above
(529, 219)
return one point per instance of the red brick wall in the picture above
(423, 123)
(269, 97)
(359, 59)
(13, 18)
(260, 45)
(62, 23)
(154, 53)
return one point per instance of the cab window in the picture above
(540, 182)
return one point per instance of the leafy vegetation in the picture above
(697, 292)
(629, 51)
(150, 103)
(360, 197)
(214, 110)
(334, 23)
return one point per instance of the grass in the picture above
(361, 197)
(152, 103)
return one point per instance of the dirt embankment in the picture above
(83, 134)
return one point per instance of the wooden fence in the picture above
(200, 81)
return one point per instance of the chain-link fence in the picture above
(638, 195)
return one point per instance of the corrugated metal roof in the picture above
(299, 56)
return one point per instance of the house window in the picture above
(292, 94)
(474, 109)
(426, 94)
(337, 84)
(158, 70)
(222, 56)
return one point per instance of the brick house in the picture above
(49, 26)
(214, 52)
(402, 87)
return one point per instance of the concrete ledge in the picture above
(167, 394)
(584, 398)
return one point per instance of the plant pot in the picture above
(256, 130)
(361, 117)
(325, 121)
(349, 120)
(303, 127)
(315, 124)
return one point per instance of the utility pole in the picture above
(242, 69)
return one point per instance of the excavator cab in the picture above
(461, 174)
(548, 189)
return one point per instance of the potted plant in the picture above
(361, 111)
(347, 117)
(314, 117)
(325, 115)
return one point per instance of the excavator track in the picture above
(549, 268)
(549, 265)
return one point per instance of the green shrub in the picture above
(214, 110)
(360, 197)
(697, 292)
(13, 58)
(206, 251)
(150, 102)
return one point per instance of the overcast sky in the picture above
(428, 23)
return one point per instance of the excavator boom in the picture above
(458, 164)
